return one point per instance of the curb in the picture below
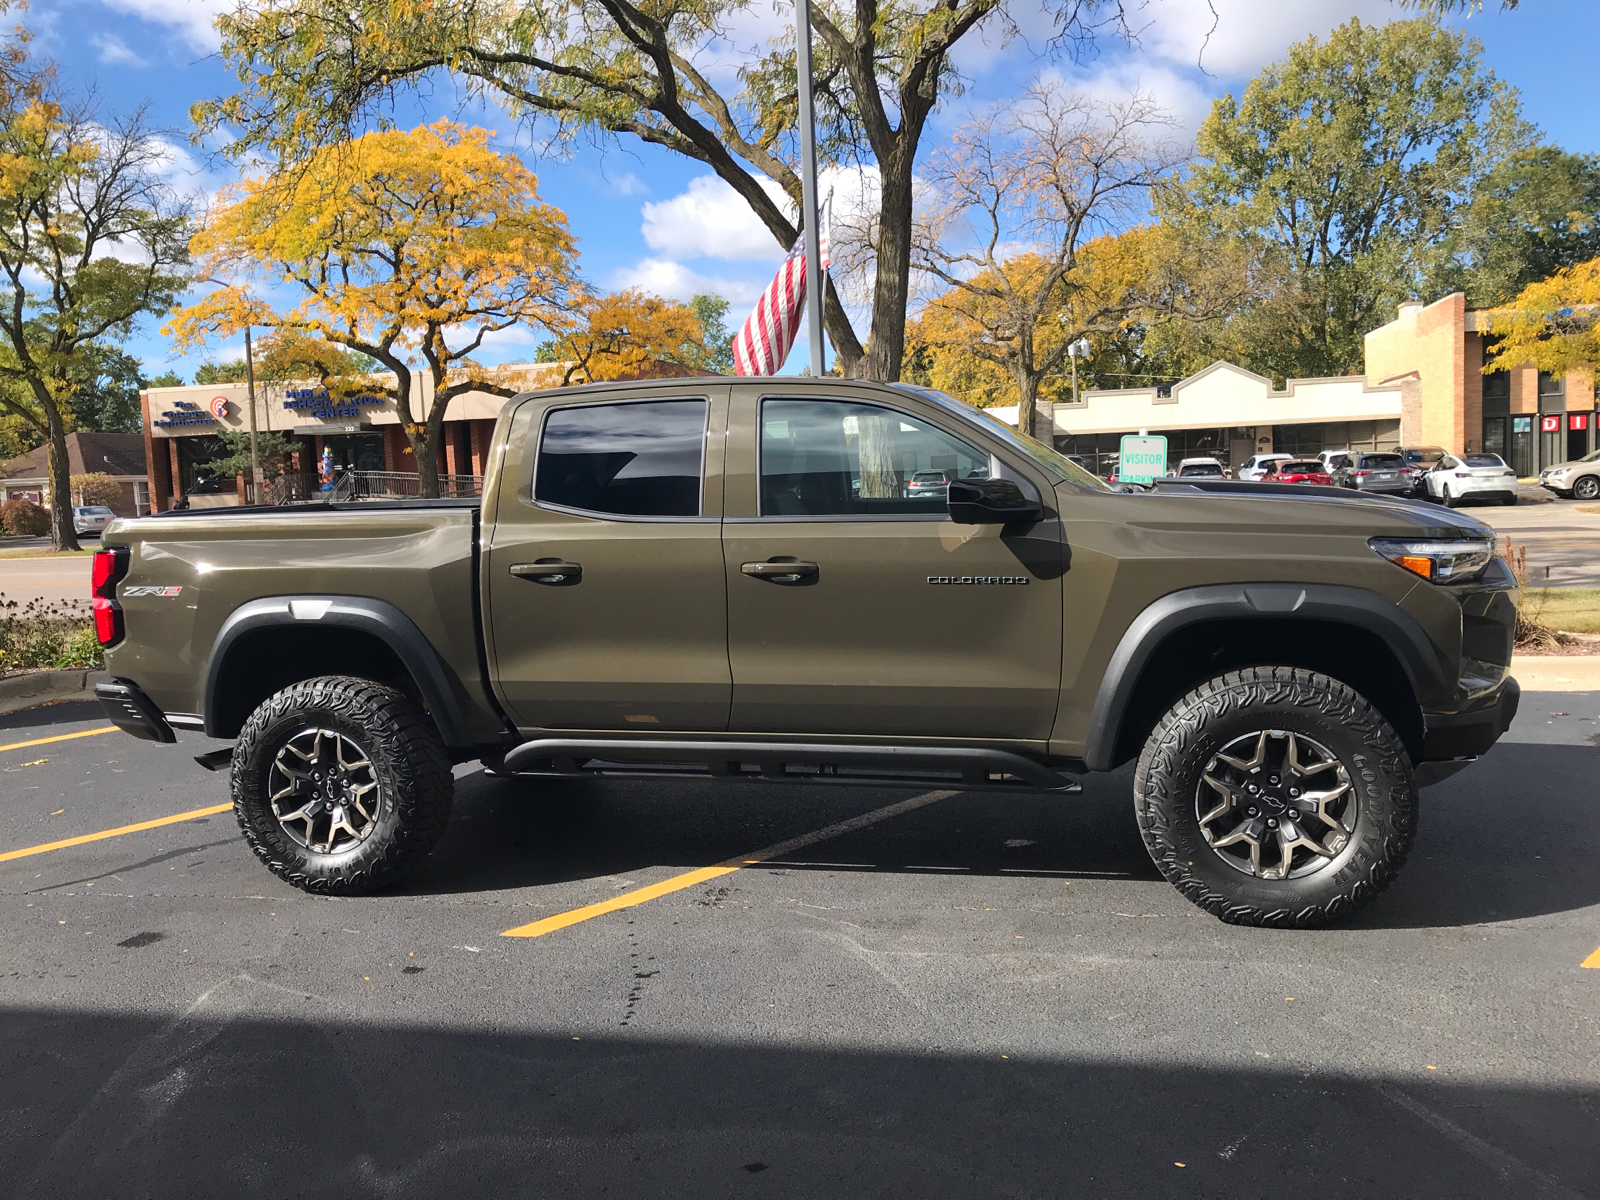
(1557, 672)
(37, 687)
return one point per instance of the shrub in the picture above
(43, 634)
(24, 518)
(96, 487)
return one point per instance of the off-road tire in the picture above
(1587, 488)
(1277, 698)
(408, 760)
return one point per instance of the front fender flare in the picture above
(1376, 614)
(441, 689)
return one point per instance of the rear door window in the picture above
(642, 458)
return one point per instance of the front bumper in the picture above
(1470, 732)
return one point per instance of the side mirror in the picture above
(990, 502)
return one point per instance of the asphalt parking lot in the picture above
(966, 996)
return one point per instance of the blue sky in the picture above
(649, 218)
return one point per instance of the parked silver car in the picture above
(1579, 479)
(91, 518)
(1455, 480)
(1385, 474)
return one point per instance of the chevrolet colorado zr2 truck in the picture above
(733, 580)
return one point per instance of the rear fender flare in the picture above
(438, 684)
(1398, 629)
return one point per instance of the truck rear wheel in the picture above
(1276, 796)
(341, 785)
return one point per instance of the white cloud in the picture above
(1249, 33)
(662, 277)
(710, 220)
(625, 183)
(191, 18)
(115, 52)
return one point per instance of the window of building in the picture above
(1497, 394)
(826, 458)
(1552, 393)
(638, 459)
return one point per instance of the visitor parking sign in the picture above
(1144, 459)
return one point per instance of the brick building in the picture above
(1435, 353)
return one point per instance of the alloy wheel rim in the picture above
(1276, 804)
(324, 791)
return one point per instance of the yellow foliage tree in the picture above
(624, 335)
(395, 242)
(1553, 324)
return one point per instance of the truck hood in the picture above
(1270, 507)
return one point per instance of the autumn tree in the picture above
(1055, 174)
(395, 243)
(623, 336)
(315, 70)
(91, 238)
(1553, 324)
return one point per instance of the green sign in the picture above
(1144, 459)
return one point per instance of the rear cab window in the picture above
(631, 458)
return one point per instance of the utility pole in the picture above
(250, 386)
(808, 182)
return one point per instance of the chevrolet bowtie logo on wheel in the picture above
(977, 579)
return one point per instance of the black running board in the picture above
(789, 762)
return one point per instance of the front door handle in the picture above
(782, 572)
(557, 574)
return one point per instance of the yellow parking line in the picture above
(117, 832)
(1593, 960)
(689, 878)
(63, 737)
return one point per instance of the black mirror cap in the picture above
(990, 502)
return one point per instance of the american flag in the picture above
(760, 347)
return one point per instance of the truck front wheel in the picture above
(341, 785)
(1276, 796)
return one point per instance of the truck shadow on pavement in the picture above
(43, 716)
(260, 1090)
(1470, 864)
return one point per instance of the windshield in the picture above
(1034, 449)
(1483, 460)
(1423, 456)
(1301, 468)
(1595, 457)
(1200, 469)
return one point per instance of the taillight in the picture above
(1363, 472)
(1463, 474)
(108, 569)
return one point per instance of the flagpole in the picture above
(808, 183)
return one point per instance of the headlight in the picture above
(1437, 561)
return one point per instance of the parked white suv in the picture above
(1579, 478)
(1255, 467)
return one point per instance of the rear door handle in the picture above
(556, 574)
(781, 572)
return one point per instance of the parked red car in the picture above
(1310, 471)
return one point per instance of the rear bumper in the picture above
(1470, 732)
(131, 711)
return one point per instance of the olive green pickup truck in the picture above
(825, 581)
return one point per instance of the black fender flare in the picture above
(439, 685)
(1376, 614)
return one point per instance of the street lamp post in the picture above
(250, 388)
(1078, 349)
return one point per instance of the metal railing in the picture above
(301, 488)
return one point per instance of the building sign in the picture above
(1577, 421)
(317, 403)
(218, 407)
(183, 412)
(1549, 424)
(1521, 424)
(1144, 459)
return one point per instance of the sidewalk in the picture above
(1557, 672)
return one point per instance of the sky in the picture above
(648, 218)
